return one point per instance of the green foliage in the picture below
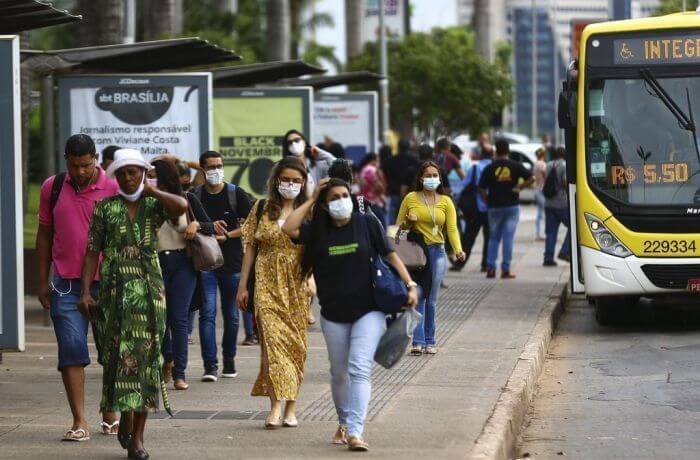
(315, 54)
(440, 81)
(243, 32)
(675, 6)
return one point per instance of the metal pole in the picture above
(555, 60)
(48, 126)
(384, 69)
(533, 102)
(130, 21)
(684, 5)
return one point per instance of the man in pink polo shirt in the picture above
(65, 211)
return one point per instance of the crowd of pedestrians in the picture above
(121, 238)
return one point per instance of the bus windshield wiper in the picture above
(686, 121)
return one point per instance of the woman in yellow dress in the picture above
(280, 296)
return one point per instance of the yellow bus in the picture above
(628, 108)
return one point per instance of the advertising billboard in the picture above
(11, 215)
(394, 20)
(157, 114)
(349, 119)
(249, 124)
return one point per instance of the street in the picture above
(629, 391)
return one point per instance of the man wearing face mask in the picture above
(65, 211)
(226, 205)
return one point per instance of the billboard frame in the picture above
(11, 209)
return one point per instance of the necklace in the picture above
(436, 230)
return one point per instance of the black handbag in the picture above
(467, 201)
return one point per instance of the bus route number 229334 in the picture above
(669, 246)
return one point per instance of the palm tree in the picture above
(160, 18)
(353, 27)
(278, 30)
(102, 24)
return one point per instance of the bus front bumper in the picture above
(604, 274)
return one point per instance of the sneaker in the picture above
(564, 257)
(229, 369)
(507, 275)
(484, 269)
(490, 273)
(210, 374)
(549, 263)
(251, 340)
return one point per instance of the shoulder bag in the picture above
(410, 252)
(390, 292)
(204, 250)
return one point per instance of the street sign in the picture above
(249, 124)
(347, 118)
(11, 225)
(156, 114)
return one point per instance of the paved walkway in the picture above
(424, 407)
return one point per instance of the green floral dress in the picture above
(131, 320)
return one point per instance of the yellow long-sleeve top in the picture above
(445, 218)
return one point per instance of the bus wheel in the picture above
(608, 310)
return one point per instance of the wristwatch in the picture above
(411, 284)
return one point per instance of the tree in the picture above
(440, 82)
(278, 30)
(675, 6)
(353, 27)
(102, 24)
(160, 18)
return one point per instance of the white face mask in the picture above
(431, 183)
(289, 190)
(340, 209)
(215, 176)
(133, 196)
(297, 148)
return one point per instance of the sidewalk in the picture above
(424, 407)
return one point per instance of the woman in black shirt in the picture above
(337, 251)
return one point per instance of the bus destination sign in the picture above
(658, 50)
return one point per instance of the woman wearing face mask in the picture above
(131, 314)
(281, 299)
(430, 211)
(179, 275)
(317, 161)
(337, 251)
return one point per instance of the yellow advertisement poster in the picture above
(248, 128)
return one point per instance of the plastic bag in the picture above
(393, 344)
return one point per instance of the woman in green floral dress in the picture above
(131, 313)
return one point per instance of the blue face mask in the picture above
(431, 183)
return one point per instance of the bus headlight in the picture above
(606, 240)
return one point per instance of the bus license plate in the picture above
(694, 286)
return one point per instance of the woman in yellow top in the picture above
(430, 211)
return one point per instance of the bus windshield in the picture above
(637, 150)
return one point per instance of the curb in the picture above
(499, 436)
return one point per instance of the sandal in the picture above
(341, 435)
(357, 444)
(416, 351)
(430, 350)
(109, 430)
(273, 425)
(79, 435)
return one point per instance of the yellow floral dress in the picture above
(281, 307)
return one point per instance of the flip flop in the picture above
(79, 435)
(109, 430)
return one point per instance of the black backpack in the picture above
(550, 189)
(467, 199)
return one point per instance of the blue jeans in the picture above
(425, 331)
(394, 205)
(180, 279)
(70, 326)
(554, 217)
(539, 220)
(351, 348)
(502, 223)
(228, 286)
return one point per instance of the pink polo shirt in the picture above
(71, 220)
